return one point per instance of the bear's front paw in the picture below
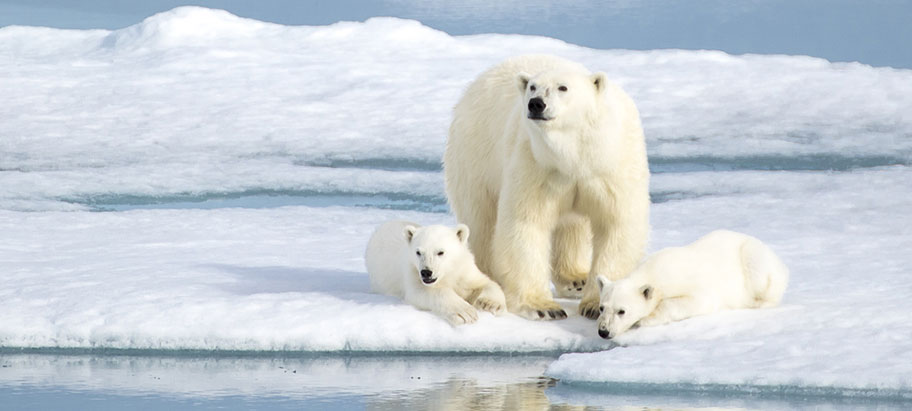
(589, 308)
(490, 305)
(465, 314)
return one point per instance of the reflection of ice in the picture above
(265, 199)
(386, 379)
(187, 381)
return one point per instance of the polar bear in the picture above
(721, 270)
(546, 163)
(431, 268)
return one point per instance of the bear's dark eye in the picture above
(440, 253)
(602, 309)
(418, 253)
(562, 88)
(621, 312)
(531, 88)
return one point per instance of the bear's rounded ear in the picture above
(462, 232)
(647, 291)
(409, 232)
(603, 282)
(599, 80)
(522, 80)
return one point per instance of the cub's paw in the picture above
(645, 322)
(463, 314)
(490, 304)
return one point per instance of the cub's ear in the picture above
(603, 282)
(409, 232)
(522, 80)
(599, 80)
(462, 232)
(647, 291)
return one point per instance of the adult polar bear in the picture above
(546, 164)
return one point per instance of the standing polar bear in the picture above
(546, 163)
(431, 268)
(721, 270)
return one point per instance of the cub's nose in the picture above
(604, 334)
(537, 105)
(426, 273)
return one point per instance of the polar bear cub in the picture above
(432, 269)
(721, 270)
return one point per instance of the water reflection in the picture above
(359, 382)
(470, 394)
(427, 382)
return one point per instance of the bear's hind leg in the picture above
(765, 274)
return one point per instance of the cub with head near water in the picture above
(722, 270)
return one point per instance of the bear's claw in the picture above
(589, 309)
(545, 314)
(590, 314)
(489, 305)
(462, 314)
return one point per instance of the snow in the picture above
(247, 163)
(289, 279)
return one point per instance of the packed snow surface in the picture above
(199, 181)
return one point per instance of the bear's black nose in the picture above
(426, 273)
(604, 334)
(537, 105)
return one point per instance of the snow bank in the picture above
(200, 101)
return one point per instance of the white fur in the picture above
(565, 199)
(721, 270)
(397, 253)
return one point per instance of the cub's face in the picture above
(558, 99)
(621, 305)
(436, 250)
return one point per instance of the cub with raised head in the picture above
(432, 269)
